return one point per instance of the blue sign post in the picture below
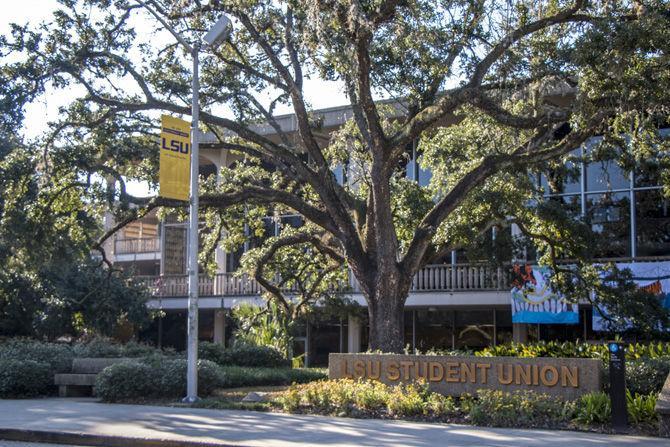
(617, 364)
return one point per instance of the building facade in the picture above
(457, 304)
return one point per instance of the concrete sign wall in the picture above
(563, 377)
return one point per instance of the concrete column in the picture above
(220, 326)
(354, 334)
(520, 332)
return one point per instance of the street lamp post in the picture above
(217, 34)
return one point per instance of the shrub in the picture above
(24, 378)
(107, 347)
(579, 350)
(366, 397)
(238, 376)
(440, 406)
(520, 408)
(242, 355)
(155, 378)
(173, 377)
(594, 408)
(127, 380)
(647, 376)
(407, 401)
(642, 409)
(57, 355)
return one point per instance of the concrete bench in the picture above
(663, 410)
(81, 381)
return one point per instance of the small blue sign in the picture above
(614, 347)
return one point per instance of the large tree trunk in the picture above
(386, 306)
(387, 322)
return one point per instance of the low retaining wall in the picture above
(566, 378)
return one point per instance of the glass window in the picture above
(473, 329)
(565, 179)
(649, 172)
(434, 329)
(652, 216)
(609, 216)
(606, 176)
(504, 328)
(294, 221)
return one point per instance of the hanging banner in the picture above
(654, 277)
(533, 300)
(175, 158)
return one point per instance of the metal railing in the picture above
(444, 277)
(432, 278)
(137, 245)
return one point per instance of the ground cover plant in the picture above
(361, 398)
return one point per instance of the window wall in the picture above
(626, 210)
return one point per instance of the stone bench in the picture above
(663, 410)
(81, 381)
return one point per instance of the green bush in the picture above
(578, 350)
(238, 376)
(367, 398)
(407, 401)
(107, 348)
(57, 355)
(594, 408)
(242, 355)
(24, 378)
(127, 381)
(647, 376)
(642, 409)
(155, 378)
(520, 408)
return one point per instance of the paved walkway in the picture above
(247, 428)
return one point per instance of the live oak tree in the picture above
(491, 93)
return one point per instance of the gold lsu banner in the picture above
(175, 158)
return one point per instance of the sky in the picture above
(319, 94)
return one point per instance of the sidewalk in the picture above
(92, 422)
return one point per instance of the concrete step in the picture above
(75, 379)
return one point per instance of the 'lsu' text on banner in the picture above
(175, 158)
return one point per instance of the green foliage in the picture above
(127, 381)
(520, 408)
(646, 376)
(407, 401)
(367, 398)
(24, 378)
(489, 102)
(107, 347)
(156, 378)
(641, 408)
(242, 355)
(593, 409)
(263, 327)
(57, 355)
(651, 350)
(238, 376)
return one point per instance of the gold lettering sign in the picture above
(568, 378)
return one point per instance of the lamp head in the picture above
(219, 32)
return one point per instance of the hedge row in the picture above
(138, 380)
(242, 355)
(578, 350)
(156, 377)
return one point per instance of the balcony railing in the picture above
(137, 245)
(458, 277)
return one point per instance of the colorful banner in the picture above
(652, 276)
(175, 158)
(534, 301)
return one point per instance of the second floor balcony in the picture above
(136, 246)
